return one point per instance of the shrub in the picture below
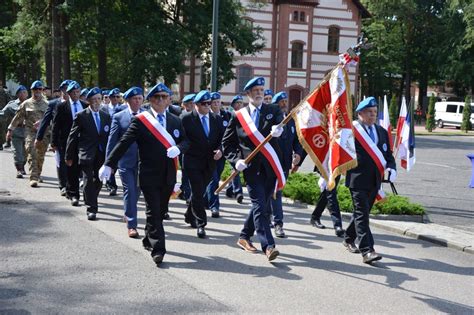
(393, 111)
(302, 187)
(466, 115)
(430, 115)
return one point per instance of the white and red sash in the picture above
(157, 130)
(267, 150)
(374, 152)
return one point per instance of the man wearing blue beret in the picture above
(18, 135)
(128, 164)
(29, 115)
(238, 142)
(66, 112)
(364, 181)
(267, 96)
(105, 98)
(83, 95)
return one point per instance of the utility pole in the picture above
(215, 36)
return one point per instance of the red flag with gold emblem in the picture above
(324, 126)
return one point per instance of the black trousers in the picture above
(362, 201)
(62, 169)
(92, 184)
(198, 179)
(156, 196)
(329, 198)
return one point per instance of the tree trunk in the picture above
(423, 90)
(102, 47)
(56, 44)
(400, 91)
(48, 63)
(65, 43)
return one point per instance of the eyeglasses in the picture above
(162, 96)
(116, 96)
(205, 104)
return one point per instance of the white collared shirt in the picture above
(155, 114)
(252, 111)
(374, 129)
(207, 120)
(79, 108)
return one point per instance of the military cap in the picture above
(267, 92)
(202, 96)
(84, 92)
(188, 98)
(93, 91)
(133, 91)
(64, 84)
(258, 81)
(160, 87)
(279, 96)
(236, 99)
(215, 96)
(366, 103)
(113, 92)
(72, 86)
(20, 88)
(168, 90)
(37, 85)
(105, 92)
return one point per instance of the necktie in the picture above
(256, 116)
(134, 114)
(161, 120)
(371, 133)
(204, 125)
(97, 121)
(75, 108)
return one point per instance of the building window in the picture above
(244, 74)
(299, 16)
(295, 16)
(302, 17)
(333, 39)
(297, 55)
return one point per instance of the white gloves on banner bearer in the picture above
(276, 131)
(322, 184)
(173, 152)
(392, 175)
(105, 172)
(240, 165)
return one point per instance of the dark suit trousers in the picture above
(362, 200)
(260, 190)
(62, 169)
(329, 199)
(72, 177)
(155, 197)
(199, 180)
(92, 184)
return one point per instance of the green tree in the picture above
(393, 111)
(430, 115)
(466, 115)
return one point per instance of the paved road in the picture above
(52, 260)
(439, 180)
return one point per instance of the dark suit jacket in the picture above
(288, 142)
(174, 109)
(366, 175)
(47, 118)
(237, 145)
(155, 167)
(201, 149)
(84, 141)
(62, 124)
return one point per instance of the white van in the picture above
(450, 114)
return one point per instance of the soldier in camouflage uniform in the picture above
(18, 134)
(31, 112)
(4, 99)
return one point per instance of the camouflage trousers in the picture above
(18, 149)
(35, 156)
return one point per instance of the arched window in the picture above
(297, 55)
(333, 39)
(244, 74)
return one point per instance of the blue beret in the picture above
(37, 85)
(105, 92)
(169, 90)
(84, 91)
(202, 96)
(367, 102)
(267, 92)
(215, 96)
(93, 91)
(279, 96)
(114, 91)
(64, 84)
(236, 99)
(160, 87)
(258, 81)
(188, 98)
(133, 91)
(20, 88)
(72, 86)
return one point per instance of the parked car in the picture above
(450, 114)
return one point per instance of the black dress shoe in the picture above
(240, 198)
(229, 194)
(91, 216)
(113, 192)
(214, 213)
(317, 223)
(201, 232)
(74, 202)
(158, 258)
(339, 231)
(166, 216)
(63, 191)
(351, 247)
(371, 257)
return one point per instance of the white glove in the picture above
(173, 152)
(392, 174)
(276, 131)
(105, 172)
(240, 165)
(322, 184)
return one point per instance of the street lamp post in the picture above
(215, 36)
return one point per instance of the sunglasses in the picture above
(205, 104)
(162, 96)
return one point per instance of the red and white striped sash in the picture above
(157, 130)
(374, 152)
(256, 137)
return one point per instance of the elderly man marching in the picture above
(30, 114)
(374, 156)
(247, 129)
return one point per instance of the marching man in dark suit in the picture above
(247, 128)
(204, 130)
(160, 138)
(128, 164)
(87, 142)
(374, 156)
